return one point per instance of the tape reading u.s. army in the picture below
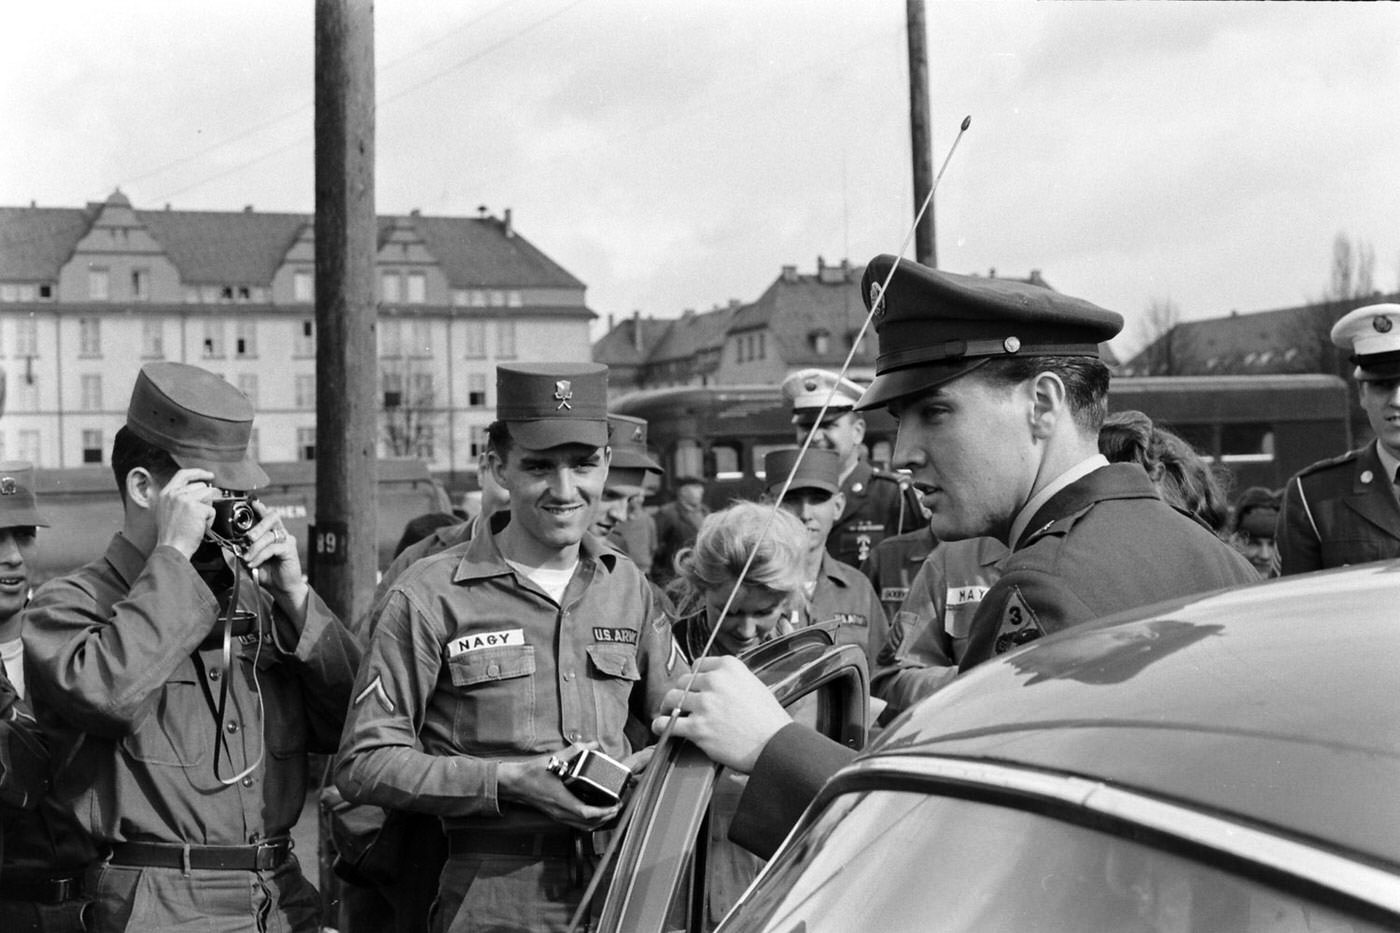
(476, 641)
(622, 636)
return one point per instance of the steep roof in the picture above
(621, 345)
(35, 242)
(485, 251)
(797, 306)
(690, 334)
(224, 247)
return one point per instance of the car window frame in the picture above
(668, 830)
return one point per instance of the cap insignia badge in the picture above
(8, 486)
(1382, 324)
(563, 394)
(1011, 344)
(877, 301)
(637, 436)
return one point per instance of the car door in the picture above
(661, 881)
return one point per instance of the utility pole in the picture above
(921, 140)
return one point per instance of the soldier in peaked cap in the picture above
(836, 592)
(491, 658)
(877, 504)
(45, 850)
(184, 676)
(1344, 510)
(999, 393)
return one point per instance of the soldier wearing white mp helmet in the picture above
(1346, 510)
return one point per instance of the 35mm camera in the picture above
(592, 777)
(234, 517)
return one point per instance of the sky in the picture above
(676, 156)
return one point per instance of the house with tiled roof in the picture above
(89, 294)
(801, 320)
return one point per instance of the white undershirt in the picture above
(553, 582)
(12, 655)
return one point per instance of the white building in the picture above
(87, 295)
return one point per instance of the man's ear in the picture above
(858, 427)
(141, 487)
(839, 499)
(496, 465)
(1049, 404)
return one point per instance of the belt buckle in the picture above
(60, 890)
(266, 855)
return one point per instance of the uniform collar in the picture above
(1081, 469)
(125, 558)
(1389, 463)
(482, 558)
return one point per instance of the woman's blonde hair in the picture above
(723, 545)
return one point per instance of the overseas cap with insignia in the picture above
(807, 390)
(1372, 334)
(820, 469)
(627, 436)
(18, 506)
(549, 404)
(936, 326)
(199, 419)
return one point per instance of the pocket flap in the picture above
(486, 664)
(615, 661)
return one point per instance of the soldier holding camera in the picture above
(184, 676)
(493, 662)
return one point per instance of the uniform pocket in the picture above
(613, 671)
(178, 731)
(495, 698)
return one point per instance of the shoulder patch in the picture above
(1017, 625)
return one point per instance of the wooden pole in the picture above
(921, 139)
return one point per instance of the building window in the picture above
(98, 286)
(417, 288)
(29, 447)
(26, 337)
(762, 345)
(390, 338)
(90, 336)
(423, 442)
(476, 390)
(505, 340)
(244, 294)
(738, 349)
(46, 292)
(248, 385)
(152, 339)
(515, 300)
(306, 443)
(140, 284)
(213, 348)
(306, 390)
(303, 286)
(420, 341)
(245, 339)
(421, 390)
(226, 293)
(478, 298)
(476, 339)
(305, 339)
(92, 446)
(460, 298)
(393, 388)
(476, 441)
(389, 287)
(92, 392)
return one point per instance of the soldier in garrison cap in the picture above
(45, 850)
(836, 592)
(1344, 510)
(631, 468)
(492, 657)
(999, 392)
(878, 503)
(184, 676)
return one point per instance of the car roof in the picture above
(1276, 703)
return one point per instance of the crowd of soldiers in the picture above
(161, 702)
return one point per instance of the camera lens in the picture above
(242, 518)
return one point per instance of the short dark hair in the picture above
(1085, 378)
(130, 452)
(498, 439)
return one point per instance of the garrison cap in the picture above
(819, 469)
(1372, 335)
(549, 404)
(807, 390)
(199, 419)
(19, 508)
(627, 436)
(936, 326)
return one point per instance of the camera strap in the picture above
(219, 707)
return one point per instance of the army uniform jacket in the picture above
(471, 664)
(878, 505)
(843, 595)
(1336, 512)
(122, 685)
(894, 563)
(1104, 544)
(928, 634)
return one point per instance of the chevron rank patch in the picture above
(1018, 624)
(375, 688)
(674, 656)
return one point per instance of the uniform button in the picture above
(247, 782)
(214, 674)
(232, 727)
(493, 670)
(254, 837)
(576, 736)
(568, 675)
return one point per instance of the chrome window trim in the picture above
(1357, 880)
